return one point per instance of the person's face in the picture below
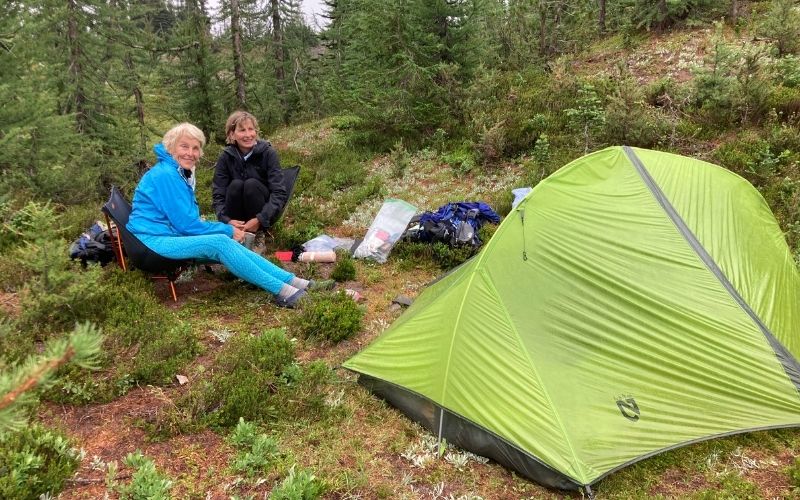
(187, 151)
(245, 135)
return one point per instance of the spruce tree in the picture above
(19, 384)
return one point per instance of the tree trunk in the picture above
(201, 26)
(238, 61)
(75, 70)
(663, 15)
(601, 18)
(734, 11)
(139, 100)
(542, 28)
(280, 57)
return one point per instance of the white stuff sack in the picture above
(386, 229)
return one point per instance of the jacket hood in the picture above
(163, 155)
(259, 148)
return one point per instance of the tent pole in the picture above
(589, 493)
(441, 420)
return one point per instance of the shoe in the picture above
(249, 240)
(292, 301)
(321, 284)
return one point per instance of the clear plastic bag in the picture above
(324, 242)
(386, 229)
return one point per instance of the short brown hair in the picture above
(235, 119)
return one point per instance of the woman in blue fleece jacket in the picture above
(166, 218)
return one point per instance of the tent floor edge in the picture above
(467, 435)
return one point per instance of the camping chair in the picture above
(117, 210)
(290, 175)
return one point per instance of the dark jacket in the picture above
(263, 165)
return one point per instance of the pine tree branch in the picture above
(179, 48)
(35, 378)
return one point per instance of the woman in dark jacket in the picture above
(247, 190)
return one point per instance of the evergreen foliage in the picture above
(18, 383)
(35, 462)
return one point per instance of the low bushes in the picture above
(330, 317)
(35, 462)
(255, 378)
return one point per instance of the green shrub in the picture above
(345, 268)
(449, 257)
(781, 24)
(331, 168)
(400, 159)
(346, 122)
(254, 378)
(333, 317)
(588, 117)
(35, 461)
(15, 344)
(243, 383)
(146, 482)
(302, 222)
(144, 342)
(60, 294)
(412, 254)
(160, 358)
(793, 471)
(787, 71)
(486, 232)
(491, 144)
(629, 119)
(302, 485)
(462, 160)
(753, 158)
(256, 452)
(786, 102)
(57, 293)
(353, 197)
(245, 376)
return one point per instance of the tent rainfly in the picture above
(634, 302)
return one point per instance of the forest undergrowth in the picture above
(261, 407)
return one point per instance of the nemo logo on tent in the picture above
(630, 410)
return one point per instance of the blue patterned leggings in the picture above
(243, 263)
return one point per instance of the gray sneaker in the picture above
(291, 302)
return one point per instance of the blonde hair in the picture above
(183, 130)
(235, 119)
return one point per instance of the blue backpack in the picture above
(454, 224)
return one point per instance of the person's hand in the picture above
(237, 224)
(252, 225)
(238, 234)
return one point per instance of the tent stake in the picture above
(589, 492)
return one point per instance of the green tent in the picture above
(634, 302)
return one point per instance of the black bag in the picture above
(93, 246)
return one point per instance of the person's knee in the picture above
(254, 188)
(218, 245)
(236, 186)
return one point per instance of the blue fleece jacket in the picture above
(164, 203)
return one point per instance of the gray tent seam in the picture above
(787, 361)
